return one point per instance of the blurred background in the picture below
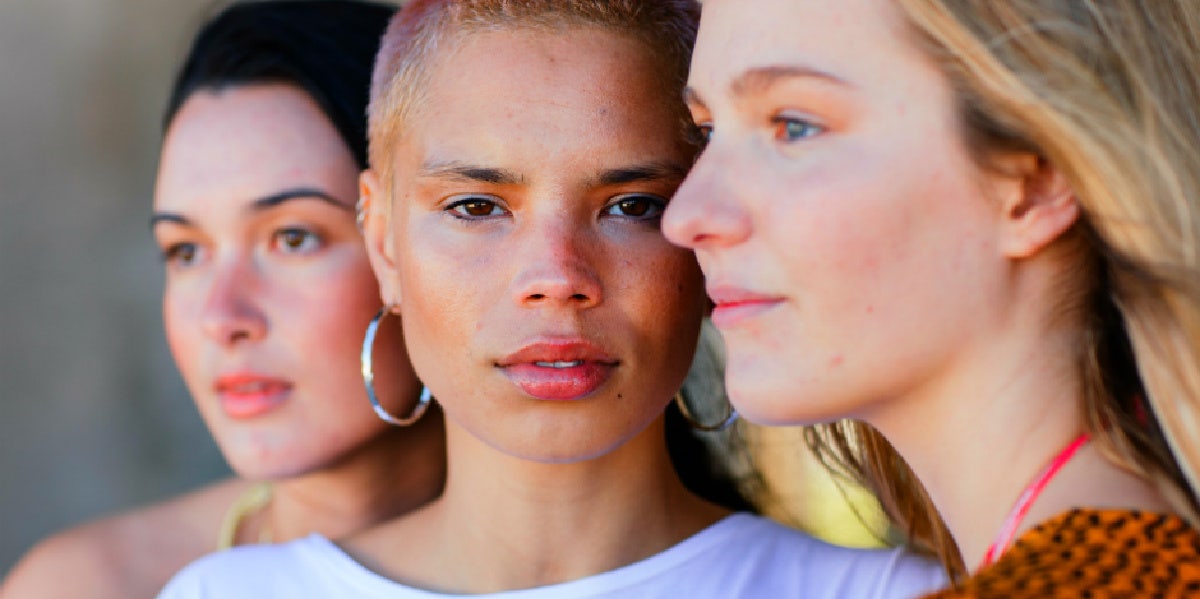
(94, 418)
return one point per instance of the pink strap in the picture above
(1025, 501)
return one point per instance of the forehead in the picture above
(249, 141)
(508, 95)
(854, 39)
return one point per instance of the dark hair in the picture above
(325, 47)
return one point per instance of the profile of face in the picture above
(268, 286)
(542, 305)
(849, 242)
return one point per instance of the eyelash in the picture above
(172, 255)
(655, 209)
(280, 240)
(701, 133)
(459, 208)
(783, 124)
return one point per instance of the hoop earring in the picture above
(707, 428)
(368, 375)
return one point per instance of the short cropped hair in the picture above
(425, 27)
(324, 47)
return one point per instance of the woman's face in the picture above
(542, 305)
(269, 289)
(845, 235)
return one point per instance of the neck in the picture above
(978, 433)
(388, 476)
(978, 437)
(509, 523)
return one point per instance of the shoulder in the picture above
(828, 570)
(128, 554)
(310, 566)
(1095, 551)
(746, 555)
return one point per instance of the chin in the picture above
(258, 463)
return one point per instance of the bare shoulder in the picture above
(131, 554)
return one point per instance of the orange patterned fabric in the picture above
(1102, 554)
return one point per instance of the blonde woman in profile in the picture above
(974, 226)
(267, 295)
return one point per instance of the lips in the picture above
(735, 305)
(244, 396)
(558, 370)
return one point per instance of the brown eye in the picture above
(637, 206)
(475, 207)
(180, 254)
(295, 240)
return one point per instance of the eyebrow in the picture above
(168, 217)
(652, 171)
(470, 172)
(264, 203)
(299, 193)
(759, 79)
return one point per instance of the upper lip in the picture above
(234, 381)
(728, 294)
(558, 350)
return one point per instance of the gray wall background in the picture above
(93, 415)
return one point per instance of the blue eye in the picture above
(792, 129)
(638, 206)
(701, 134)
(475, 207)
(295, 240)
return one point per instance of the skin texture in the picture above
(528, 126)
(279, 291)
(864, 266)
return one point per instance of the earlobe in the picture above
(1039, 212)
(375, 224)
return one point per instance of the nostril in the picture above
(537, 296)
(579, 297)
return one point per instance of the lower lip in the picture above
(558, 384)
(251, 405)
(735, 313)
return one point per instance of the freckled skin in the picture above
(465, 289)
(876, 231)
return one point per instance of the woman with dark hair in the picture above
(267, 296)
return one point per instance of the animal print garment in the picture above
(1099, 554)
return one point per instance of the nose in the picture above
(705, 213)
(230, 314)
(556, 268)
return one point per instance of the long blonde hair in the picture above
(1108, 92)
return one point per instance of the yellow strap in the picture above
(251, 501)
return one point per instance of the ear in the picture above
(1038, 210)
(376, 227)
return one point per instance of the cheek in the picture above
(446, 299)
(181, 323)
(331, 312)
(665, 297)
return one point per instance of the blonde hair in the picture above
(424, 29)
(1106, 91)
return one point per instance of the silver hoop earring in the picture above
(368, 375)
(707, 428)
